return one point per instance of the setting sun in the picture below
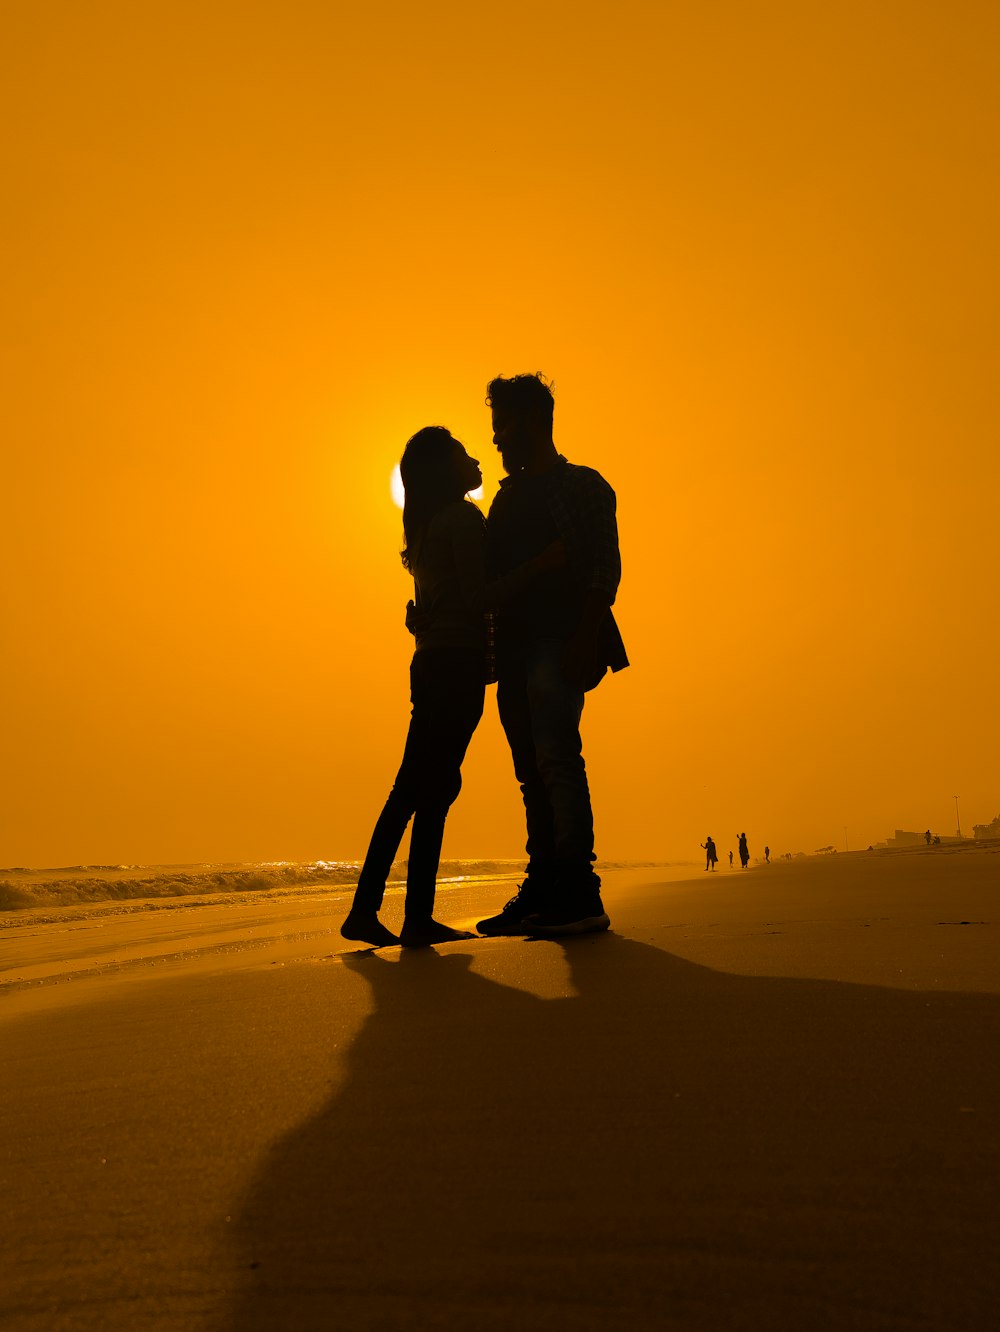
(396, 487)
(399, 495)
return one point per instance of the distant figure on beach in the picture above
(744, 852)
(555, 641)
(927, 836)
(730, 860)
(767, 855)
(445, 536)
(711, 859)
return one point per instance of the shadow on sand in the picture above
(671, 1147)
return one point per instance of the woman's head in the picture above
(434, 461)
(435, 470)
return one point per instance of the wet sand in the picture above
(769, 1099)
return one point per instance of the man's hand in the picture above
(579, 664)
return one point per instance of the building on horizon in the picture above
(987, 829)
(903, 838)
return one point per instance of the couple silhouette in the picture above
(522, 598)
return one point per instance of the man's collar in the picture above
(560, 462)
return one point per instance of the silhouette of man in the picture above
(708, 846)
(767, 855)
(744, 851)
(555, 640)
(730, 860)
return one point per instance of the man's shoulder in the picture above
(504, 494)
(583, 478)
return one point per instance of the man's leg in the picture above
(515, 717)
(514, 707)
(556, 708)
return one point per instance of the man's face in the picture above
(513, 439)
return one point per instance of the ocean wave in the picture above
(30, 889)
(145, 887)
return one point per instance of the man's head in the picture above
(522, 418)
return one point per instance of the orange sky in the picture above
(253, 247)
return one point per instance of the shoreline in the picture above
(68, 952)
(222, 931)
(764, 1099)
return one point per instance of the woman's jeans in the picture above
(540, 713)
(447, 691)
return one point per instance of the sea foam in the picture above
(34, 889)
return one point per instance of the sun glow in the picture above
(399, 494)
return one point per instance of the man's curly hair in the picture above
(525, 397)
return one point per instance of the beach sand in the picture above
(767, 1100)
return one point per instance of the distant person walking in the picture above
(730, 860)
(445, 552)
(767, 855)
(927, 836)
(711, 859)
(744, 852)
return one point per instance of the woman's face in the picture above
(467, 470)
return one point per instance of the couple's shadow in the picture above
(666, 1142)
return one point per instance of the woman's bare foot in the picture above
(367, 928)
(423, 933)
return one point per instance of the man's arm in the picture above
(580, 662)
(594, 507)
(600, 523)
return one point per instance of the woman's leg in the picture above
(362, 922)
(425, 856)
(452, 692)
(382, 851)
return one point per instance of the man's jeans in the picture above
(540, 713)
(446, 690)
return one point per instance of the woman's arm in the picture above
(469, 545)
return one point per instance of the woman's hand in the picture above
(554, 556)
(416, 620)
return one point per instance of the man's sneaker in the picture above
(528, 898)
(573, 913)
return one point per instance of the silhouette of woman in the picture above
(444, 551)
(710, 855)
